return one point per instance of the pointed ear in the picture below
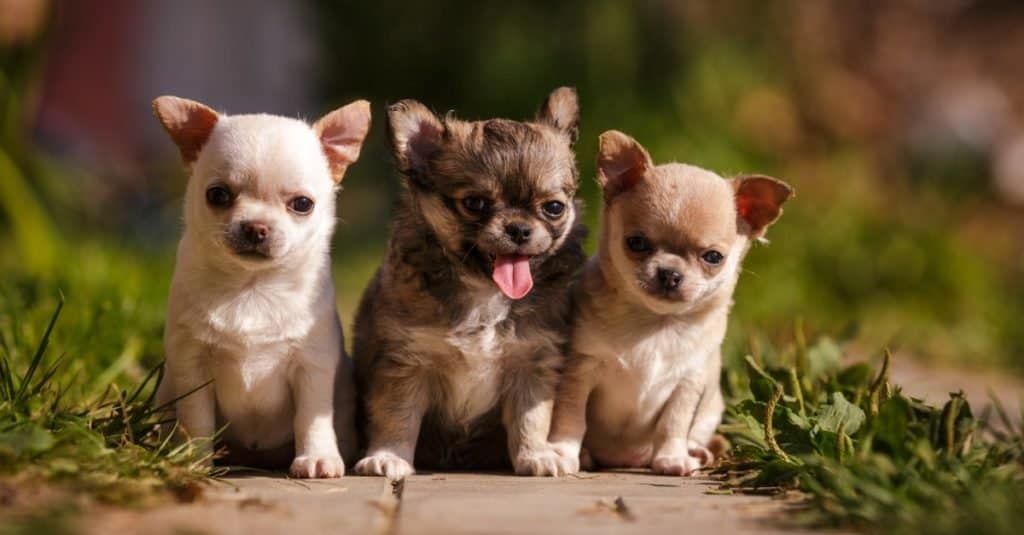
(562, 111)
(341, 134)
(621, 163)
(759, 202)
(415, 134)
(188, 122)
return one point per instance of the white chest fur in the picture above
(469, 355)
(246, 333)
(252, 316)
(643, 367)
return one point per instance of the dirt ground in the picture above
(607, 502)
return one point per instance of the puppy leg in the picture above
(569, 422)
(709, 415)
(526, 415)
(395, 403)
(185, 372)
(671, 439)
(345, 410)
(316, 447)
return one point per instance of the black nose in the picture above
(518, 232)
(669, 278)
(255, 232)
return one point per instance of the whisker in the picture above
(468, 252)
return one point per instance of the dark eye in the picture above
(638, 244)
(475, 204)
(218, 196)
(713, 257)
(301, 205)
(553, 208)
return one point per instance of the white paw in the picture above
(544, 462)
(313, 466)
(675, 465)
(569, 458)
(701, 453)
(385, 463)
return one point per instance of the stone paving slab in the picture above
(456, 503)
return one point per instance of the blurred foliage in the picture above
(864, 455)
(31, 229)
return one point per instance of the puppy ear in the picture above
(621, 163)
(415, 134)
(562, 111)
(341, 134)
(759, 202)
(188, 122)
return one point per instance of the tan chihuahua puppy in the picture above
(252, 306)
(641, 388)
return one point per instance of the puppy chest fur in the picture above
(471, 352)
(640, 369)
(253, 395)
(249, 341)
(467, 358)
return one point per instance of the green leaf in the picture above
(840, 414)
(25, 440)
(856, 376)
(762, 385)
(823, 358)
(892, 424)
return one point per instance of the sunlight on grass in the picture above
(862, 454)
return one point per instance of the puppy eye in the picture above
(475, 204)
(553, 208)
(713, 257)
(218, 196)
(638, 244)
(301, 205)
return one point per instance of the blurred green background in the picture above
(899, 124)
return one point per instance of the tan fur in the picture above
(641, 388)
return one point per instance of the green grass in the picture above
(863, 455)
(107, 445)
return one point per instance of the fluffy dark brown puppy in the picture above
(461, 333)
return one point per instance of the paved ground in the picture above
(458, 503)
(492, 503)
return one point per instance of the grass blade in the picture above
(37, 357)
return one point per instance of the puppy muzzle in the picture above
(251, 240)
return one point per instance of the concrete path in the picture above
(497, 503)
(456, 503)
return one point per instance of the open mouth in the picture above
(512, 275)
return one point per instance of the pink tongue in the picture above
(512, 275)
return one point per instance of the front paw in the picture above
(702, 454)
(387, 464)
(545, 462)
(675, 465)
(314, 466)
(570, 457)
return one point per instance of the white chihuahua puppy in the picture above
(251, 313)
